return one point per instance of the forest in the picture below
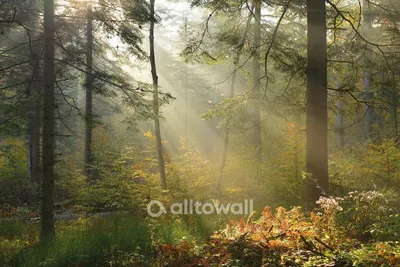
(199, 133)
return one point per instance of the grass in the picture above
(101, 241)
(17, 228)
(88, 243)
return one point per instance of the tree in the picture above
(46, 201)
(256, 78)
(339, 114)
(25, 41)
(161, 162)
(236, 61)
(89, 89)
(317, 113)
(369, 111)
(34, 93)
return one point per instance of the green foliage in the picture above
(231, 112)
(112, 186)
(368, 215)
(379, 254)
(377, 163)
(288, 166)
(89, 242)
(15, 187)
(14, 237)
(12, 159)
(70, 181)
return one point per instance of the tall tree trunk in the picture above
(46, 207)
(256, 78)
(317, 113)
(369, 111)
(231, 95)
(186, 86)
(339, 115)
(394, 101)
(89, 90)
(161, 162)
(34, 113)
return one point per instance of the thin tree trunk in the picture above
(369, 111)
(47, 205)
(89, 91)
(231, 95)
(317, 114)
(161, 162)
(256, 79)
(186, 87)
(34, 121)
(34, 112)
(394, 100)
(339, 115)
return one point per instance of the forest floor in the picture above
(278, 238)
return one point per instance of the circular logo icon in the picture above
(160, 212)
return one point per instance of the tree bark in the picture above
(394, 101)
(47, 205)
(186, 87)
(161, 162)
(89, 91)
(34, 113)
(256, 79)
(339, 115)
(317, 115)
(369, 111)
(34, 122)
